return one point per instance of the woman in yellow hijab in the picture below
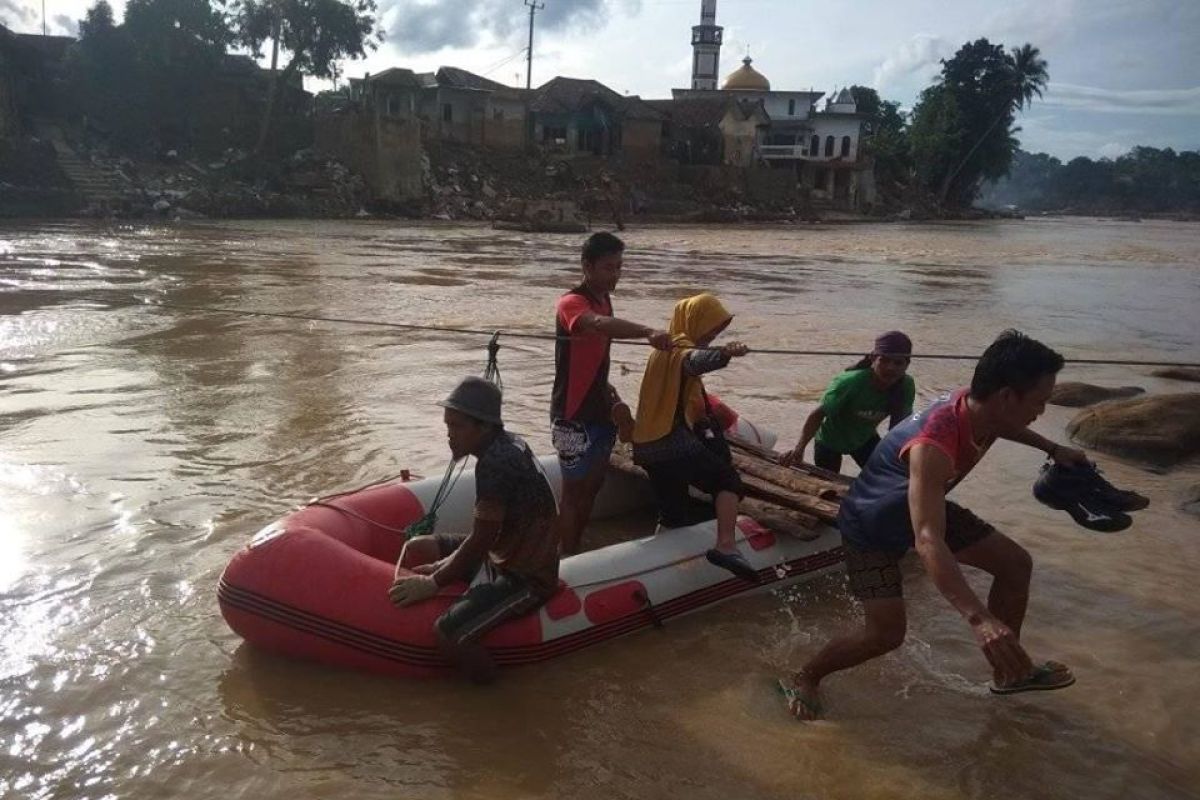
(671, 401)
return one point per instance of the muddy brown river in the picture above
(141, 447)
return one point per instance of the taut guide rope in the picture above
(495, 334)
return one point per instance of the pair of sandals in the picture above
(1045, 677)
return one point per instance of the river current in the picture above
(140, 447)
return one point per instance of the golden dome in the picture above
(747, 78)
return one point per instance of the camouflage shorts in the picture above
(876, 573)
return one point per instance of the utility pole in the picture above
(534, 7)
(43, 17)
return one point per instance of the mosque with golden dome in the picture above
(761, 126)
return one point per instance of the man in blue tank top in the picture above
(899, 501)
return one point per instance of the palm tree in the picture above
(1026, 77)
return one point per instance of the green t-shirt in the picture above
(854, 408)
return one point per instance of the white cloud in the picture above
(917, 53)
(1133, 101)
(1047, 21)
(1065, 136)
(14, 14)
(1113, 149)
(66, 25)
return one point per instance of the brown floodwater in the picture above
(142, 447)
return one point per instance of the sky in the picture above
(1122, 72)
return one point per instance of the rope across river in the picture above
(495, 334)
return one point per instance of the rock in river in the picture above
(1076, 395)
(1179, 374)
(1162, 430)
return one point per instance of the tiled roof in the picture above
(564, 95)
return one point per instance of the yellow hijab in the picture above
(694, 318)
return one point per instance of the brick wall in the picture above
(385, 150)
(641, 139)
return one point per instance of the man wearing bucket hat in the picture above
(512, 541)
(856, 401)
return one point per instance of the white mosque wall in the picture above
(837, 127)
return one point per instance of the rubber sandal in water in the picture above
(733, 562)
(794, 698)
(1045, 677)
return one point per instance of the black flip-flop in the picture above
(733, 562)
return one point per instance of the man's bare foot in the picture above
(803, 697)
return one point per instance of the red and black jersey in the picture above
(580, 362)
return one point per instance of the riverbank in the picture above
(44, 179)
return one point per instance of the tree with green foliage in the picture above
(963, 127)
(105, 78)
(137, 82)
(935, 135)
(179, 45)
(1146, 180)
(1022, 75)
(313, 34)
(884, 139)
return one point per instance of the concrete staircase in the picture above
(97, 186)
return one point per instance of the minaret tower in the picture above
(706, 47)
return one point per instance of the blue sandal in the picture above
(793, 697)
(1044, 678)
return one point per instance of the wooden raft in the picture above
(793, 500)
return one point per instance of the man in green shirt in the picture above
(856, 401)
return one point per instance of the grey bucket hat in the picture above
(477, 398)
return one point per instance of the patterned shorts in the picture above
(876, 573)
(581, 447)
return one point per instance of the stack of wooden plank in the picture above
(794, 500)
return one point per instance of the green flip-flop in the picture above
(1044, 678)
(792, 696)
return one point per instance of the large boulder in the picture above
(1189, 500)
(1162, 430)
(1076, 395)
(1179, 374)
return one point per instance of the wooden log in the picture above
(787, 520)
(805, 503)
(787, 478)
(812, 470)
(781, 520)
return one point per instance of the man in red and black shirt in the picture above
(584, 407)
(899, 502)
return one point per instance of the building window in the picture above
(447, 112)
(498, 114)
(845, 147)
(829, 147)
(814, 148)
(792, 107)
(393, 106)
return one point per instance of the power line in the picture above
(503, 61)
